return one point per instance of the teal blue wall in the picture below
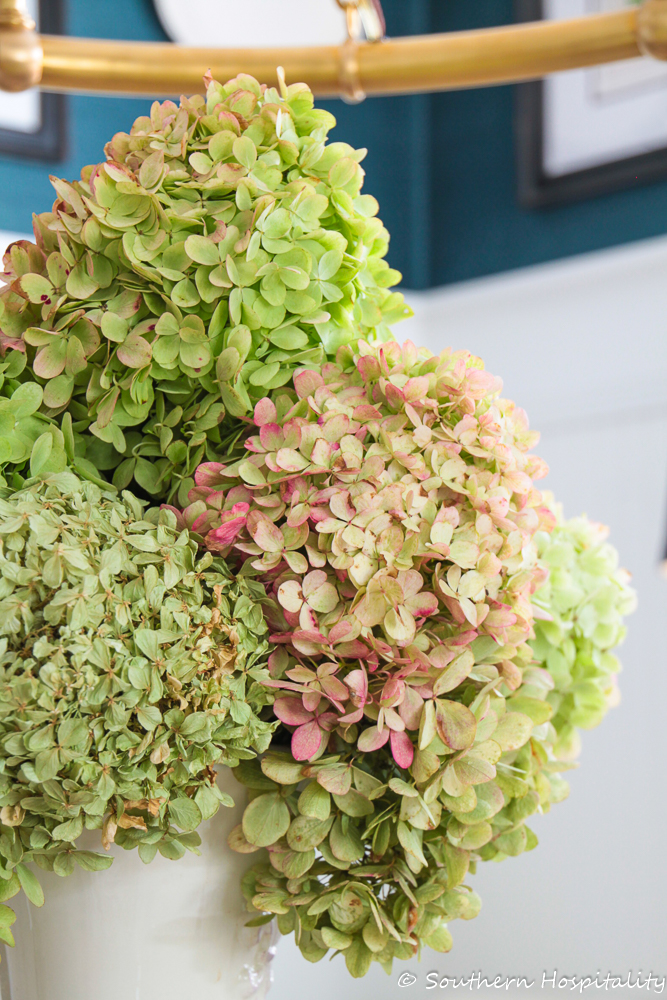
(442, 166)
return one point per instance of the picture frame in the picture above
(47, 141)
(538, 186)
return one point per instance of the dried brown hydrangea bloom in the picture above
(129, 669)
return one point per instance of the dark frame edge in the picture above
(535, 188)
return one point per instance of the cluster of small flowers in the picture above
(389, 502)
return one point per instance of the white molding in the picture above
(582, 338)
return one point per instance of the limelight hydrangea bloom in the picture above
(389, 499)
(585, 597)
(394, 851)
(222, 244)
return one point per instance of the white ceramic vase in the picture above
(170, 930)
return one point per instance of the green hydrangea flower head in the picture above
(586, 597)
(129, 669)
(222, 244)
(388, 501)
(370, 861)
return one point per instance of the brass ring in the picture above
(652, 28)
(351, 90)
(21, 53)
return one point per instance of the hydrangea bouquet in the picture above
(352, 592)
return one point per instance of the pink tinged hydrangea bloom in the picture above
(389, 503)
(402, 749)
(312, 727)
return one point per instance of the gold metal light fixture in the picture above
(21, 54)
(353, 69)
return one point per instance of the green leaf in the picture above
(411, 842)
(262, 376)
(358, 958)
(194, 724)
(9, 887)
(171, 850)
(15, 361)
(151, 169)
(201, 250)
(209, 802)
(336, 939)
(353, 803)
(282, 768)
(336, 778)
(249, 473)
(260, 921)
(461, 904)
(458, 862)
(278, 224)
(346, 846)
(146, 640)
(455, 723)
(220, 145)
(88, 471)
(69, 830)
(454, 673)
(147, 852)
(185, 294)
(201, 163)
(195, 355)
(266, 820)
(26, 399)
(315, 801)
(245, 151)
(272, 900)
(228, 364)
(440, 939)
(76, 358)
(58, 391)
(403, 788)
(185, 813)
(289, 338)
(41, 452)
(38, 288)
(512, 843)
(30, 885)
(114, 327)
(50, 361)
(513, 730)
(147, 474)
(294, 277)
(149, 717)
(6, 935)
(72, 732)
(92, 862)
(329, 264)
(47, 764)
(79, 283)
(295, 864)
(135, 351)
(538, 711)
(306, 833)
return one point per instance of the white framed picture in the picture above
(588, 131)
